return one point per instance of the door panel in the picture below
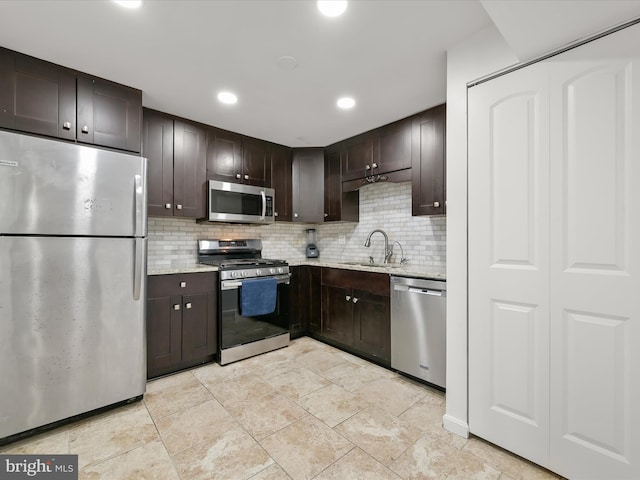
(189, 170)
(595, 313)
(508, 263)
(163, 333)
(158, 150)
(337, 314)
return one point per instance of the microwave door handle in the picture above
(264, 205)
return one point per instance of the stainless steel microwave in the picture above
(238, 203)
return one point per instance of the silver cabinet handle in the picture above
(178, 207)
(176, 306)
(167, 205)
(238, 175)
(275, 214)
(326, 215)
(295, 215)
(367, 167)
(374, 165)
(187, 305)
(347, 298)
(66, 125)
(183, 284)
(436, 204)
(246, 177)
(85, 129)
(355, 299)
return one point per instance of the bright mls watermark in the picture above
(51, 467)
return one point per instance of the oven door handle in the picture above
(231, 284)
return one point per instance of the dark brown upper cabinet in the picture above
(232, 157)
(338, 205)
(281, 182)
(428, 170)
(392, 147)
(308, 185)
(358, 156)
(109, 114)
(175, 149)
(46, 99)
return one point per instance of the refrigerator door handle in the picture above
(139, 205)
(138, 258)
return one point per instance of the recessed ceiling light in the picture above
(227, 97)
(332, 8)
(346, 103)
(129, 3)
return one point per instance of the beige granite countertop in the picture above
(393, 269)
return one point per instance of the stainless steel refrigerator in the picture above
(72, 280)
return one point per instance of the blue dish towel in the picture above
(258, 296)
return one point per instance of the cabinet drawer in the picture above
(163, 285)
(377, 283)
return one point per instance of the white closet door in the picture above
(509, 262)
(595, 259)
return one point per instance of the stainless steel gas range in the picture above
(253, 298)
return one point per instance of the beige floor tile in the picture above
(351, 376)
(305, 448)
(56, 441)
(194, 425)
(297, 382)
(506, 462)
(395, 395)
(175, 398)
(380, 434)
(430, 458)
(231, 455)
(273, 472)
(238, 389)
(319, 360)
(148, 462)
(331, 404)
(213, 373)
(111, 434)
(357, 465)
(162, 383)
(263, 415)
(425, 414)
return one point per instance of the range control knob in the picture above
(280, 270)
(272, 271)
(234, 274)
(258, 272)
(244, 273)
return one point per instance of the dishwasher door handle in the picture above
(426, 291)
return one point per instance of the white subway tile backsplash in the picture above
(387, 206)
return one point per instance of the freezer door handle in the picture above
(139, 205)
(138, 259)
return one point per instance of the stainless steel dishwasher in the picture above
(418, 328)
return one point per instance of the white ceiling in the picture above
(389, 55)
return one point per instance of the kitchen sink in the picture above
(367, 264)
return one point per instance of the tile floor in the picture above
(306, 411)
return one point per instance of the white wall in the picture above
(480, 55)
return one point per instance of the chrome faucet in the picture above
(387, 251)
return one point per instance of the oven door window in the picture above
(238, 330)
(235, 203)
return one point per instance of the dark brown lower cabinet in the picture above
(356, 312)
(304, 298)
(181, 321)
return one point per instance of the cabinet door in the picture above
(358, 157)
(332, 185)
(224, 156)
(109, 114)
(163, 334)
(281, 182)
(189, 169)
(308, 185)
(256, 162)
(393, 147)
(157, 147)
(198, 326)
(428, 170)
(337, 314)
(37, 96)
(372, 325)
(299, 301)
